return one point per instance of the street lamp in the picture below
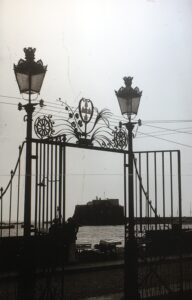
(29, 75)
(129, 100)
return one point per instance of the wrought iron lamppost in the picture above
(29, 75)
(129, 100)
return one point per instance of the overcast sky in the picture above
(89, 46)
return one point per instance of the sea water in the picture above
(93, 234)
(86, 234)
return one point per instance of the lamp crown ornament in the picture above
(128, 81)
(128, 91)
(29, 54)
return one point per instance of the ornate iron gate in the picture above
(157, 190)
(49, 183)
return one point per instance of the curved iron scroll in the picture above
(13, 171)
(84, 125)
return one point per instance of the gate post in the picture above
(129, 100)
(131, 270)
(27, 206)
(29, 75)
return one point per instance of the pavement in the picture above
(92, 266)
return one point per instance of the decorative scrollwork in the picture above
(85, 125)
(44, 127)
(120, 138)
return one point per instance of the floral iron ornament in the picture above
(85, 125)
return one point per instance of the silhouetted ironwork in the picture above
(128, 98)
(85, 125)
(120, 137)
(29, 75)
(44, 127)
(159, 247)
(49, 200)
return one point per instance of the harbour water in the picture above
(88, 234)
(93, 234)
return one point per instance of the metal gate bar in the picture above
(64, 181)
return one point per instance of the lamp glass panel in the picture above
(36, 82)
(135, 104)
(125, 105)
(23, 82)
(129, 106)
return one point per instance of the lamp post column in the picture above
(130, 127)
(129, 100)
(29, 108)
(131, 276)
(29, 75)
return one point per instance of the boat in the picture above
(99, 212)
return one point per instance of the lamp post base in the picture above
(131, 271)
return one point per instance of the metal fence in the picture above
(163, 269)
(48, 191)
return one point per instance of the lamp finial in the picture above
(29, 54)
(128, 81)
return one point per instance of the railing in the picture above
(11, 201)
(157, 193)
(157, 199)
(163, 276)
(48, 191)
